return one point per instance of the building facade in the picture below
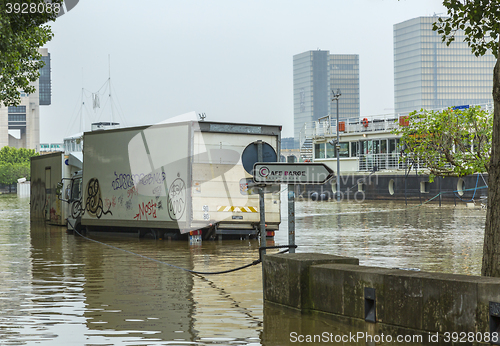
(315, 75)
(431, 75)
(44, 82)
(344, 75)
(20, 125)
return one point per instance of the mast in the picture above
(82, 120)
(109, 86)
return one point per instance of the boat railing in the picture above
(305, 140)
(375, 162)
(306, 132)
(323, 127)
(327, 126)
(389, 161)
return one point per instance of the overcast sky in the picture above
(229, 59)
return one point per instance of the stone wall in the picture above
(420, 301)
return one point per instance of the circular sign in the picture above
(250, 155)
(264, 171)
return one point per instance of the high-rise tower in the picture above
(315, 75)
(20, 125)
(431, 75)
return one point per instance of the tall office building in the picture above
(315, 75)
(44, 84)
(344, 75)
(431, 75)
(20, 125)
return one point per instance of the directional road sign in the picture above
(291, 173)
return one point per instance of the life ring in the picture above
(365, 122)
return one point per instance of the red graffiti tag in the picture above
(132, 192)
(145, 210)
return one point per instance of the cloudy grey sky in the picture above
(230, 59)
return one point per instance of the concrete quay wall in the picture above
(419, 301)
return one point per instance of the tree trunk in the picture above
(491, 249)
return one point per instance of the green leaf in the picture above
(449, 143)
(21, 36)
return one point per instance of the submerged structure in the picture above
(164, 180)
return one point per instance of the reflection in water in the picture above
(58, 289)
(229, 306)
(384, 233)
(286, 327)
(133, 297)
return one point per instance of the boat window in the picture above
(76, 189)
(319, 151)
(354, 149)
(399, 145)
(366, 147)
(344, 149)
(383, 146)
(362, 147)
(330, 151)
(393, 145)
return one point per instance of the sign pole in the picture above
(262, 228)
(291, 212)
(337, 145)
(288, 173)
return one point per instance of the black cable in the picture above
(189, 270)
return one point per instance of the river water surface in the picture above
(61, 289)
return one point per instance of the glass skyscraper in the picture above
(44, 84)
(431, 75)
(20, 125)
(344, 75)
(315, 74)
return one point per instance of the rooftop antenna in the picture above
(109, 85)
(202, 116)
(82, 120)
(96, 103)
(110, 117)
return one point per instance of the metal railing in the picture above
(305, 141)
(327, 126)
(375, 162)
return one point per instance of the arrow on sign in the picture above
(291, 173)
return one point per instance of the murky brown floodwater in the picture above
(391, 234)
(60, 289)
